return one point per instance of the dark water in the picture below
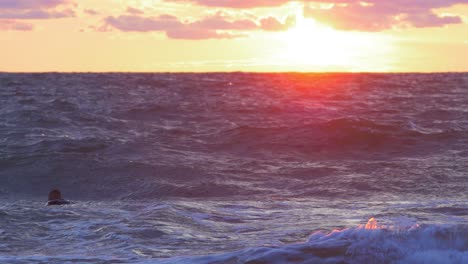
(234, 168)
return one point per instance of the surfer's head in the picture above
(55, 195)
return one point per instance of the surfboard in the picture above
(57, 202)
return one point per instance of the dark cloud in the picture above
(215, 26)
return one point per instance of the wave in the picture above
(333, 135)
(172, 161)
(93, 129)
(371, 243)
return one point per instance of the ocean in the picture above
(234, 168)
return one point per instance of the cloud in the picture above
(378, 15)
(133, 23)
(37, 14)
(35, 9)
(271, 3)
(13, 10)
(433, 20)
(91, 12)
(272, 24)
(361, 15)
(31, 4)
(15, 25)
(236, 3)
(134, 11)
(219, 22)
(218, 26)
(198, 34)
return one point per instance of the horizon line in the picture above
(231, 72)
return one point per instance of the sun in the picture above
(310, 44)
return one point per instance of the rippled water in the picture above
(234, 168)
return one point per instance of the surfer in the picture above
(55, 198)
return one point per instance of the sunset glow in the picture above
(310, 44)
(201, 35)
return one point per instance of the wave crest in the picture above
(437, 244)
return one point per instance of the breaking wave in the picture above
(371, 243)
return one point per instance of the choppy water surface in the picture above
(234, 168)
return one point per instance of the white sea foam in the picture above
(369, 243)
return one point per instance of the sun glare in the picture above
(310, 44)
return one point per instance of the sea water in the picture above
(234, 168)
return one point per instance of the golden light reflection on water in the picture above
(371, 224)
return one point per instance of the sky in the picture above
(229, 35)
